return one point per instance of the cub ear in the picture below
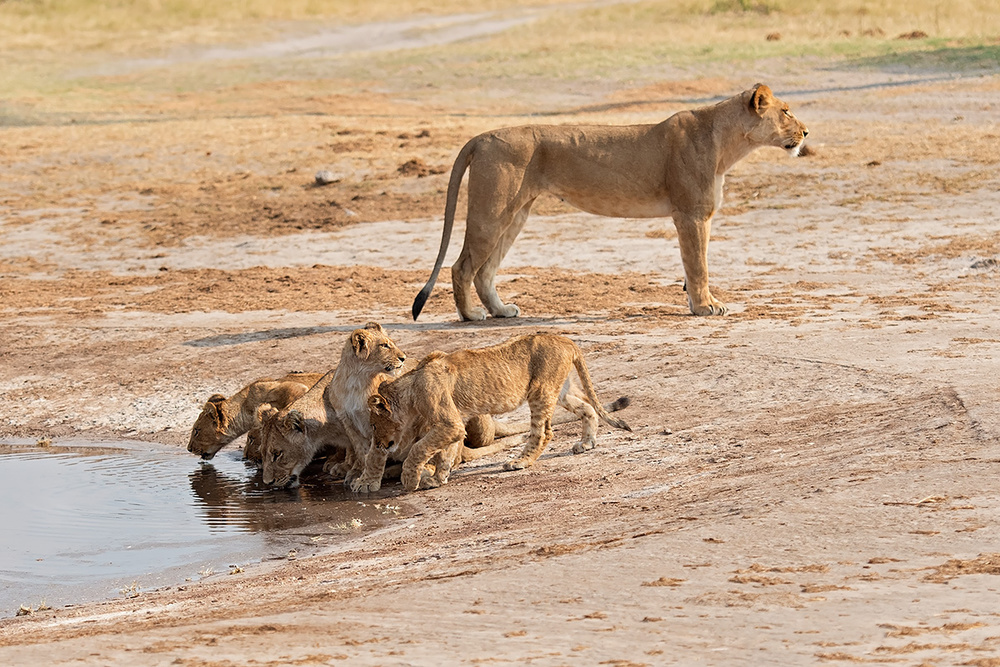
(760, 97)
(296, 421)
(214, 408)
(359, 341)
(374, 326)
(378, 405)
(265, 411)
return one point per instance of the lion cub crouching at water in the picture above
(333, 412)
(222, 419)
(430, 401)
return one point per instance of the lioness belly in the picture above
(615, 205)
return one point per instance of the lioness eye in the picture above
(385, 345)
(197, 431)
(787, 112)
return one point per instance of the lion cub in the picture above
(429, 401)
(222, 419)
(333, 412)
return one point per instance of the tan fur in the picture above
(222, 419)
(675, 168)
(326, 414)
(483, 434)
(430, 401)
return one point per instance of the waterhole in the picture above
(84, 522)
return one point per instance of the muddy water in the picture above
(83, 523)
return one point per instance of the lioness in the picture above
(325, 415)
(675, 168)
(430, 400)
(222, 419)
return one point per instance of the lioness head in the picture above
(373, 350)
(774, 124)
(385, 430)
(209, 435)
(283, 448)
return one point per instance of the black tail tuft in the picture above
(418, 303)
(619, 404)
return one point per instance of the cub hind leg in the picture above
(540, 435)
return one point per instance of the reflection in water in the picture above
(243, 502)
(82, 523)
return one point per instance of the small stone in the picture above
(324, 177)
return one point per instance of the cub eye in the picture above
(384, 345)
(275, 456)
(787, 112)
(196, 431)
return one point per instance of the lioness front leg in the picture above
(693, 232)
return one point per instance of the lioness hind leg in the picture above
(485, 280)
(462, 272)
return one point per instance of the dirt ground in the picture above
(810, 479)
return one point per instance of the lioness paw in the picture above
(510, 310)
(583, 446)
(714, 308)
(474, 315)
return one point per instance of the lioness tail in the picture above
(454, 183)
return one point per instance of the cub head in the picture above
(773, 123)
(372, 349)
(385, 430)
(209, 435)
(284, 449)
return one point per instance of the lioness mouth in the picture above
(207, 457)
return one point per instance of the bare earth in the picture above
(811, 479)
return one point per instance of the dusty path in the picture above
(809, 480)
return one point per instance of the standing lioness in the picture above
(674, 168)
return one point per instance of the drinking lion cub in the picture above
(430, 401)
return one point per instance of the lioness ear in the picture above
(216, 398)
(374, 326)
(359, 341)
(760, 96)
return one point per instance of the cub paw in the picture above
(335, 469)
(517, 464)
(410, 480)
(362, 485)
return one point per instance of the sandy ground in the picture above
(809, 481)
